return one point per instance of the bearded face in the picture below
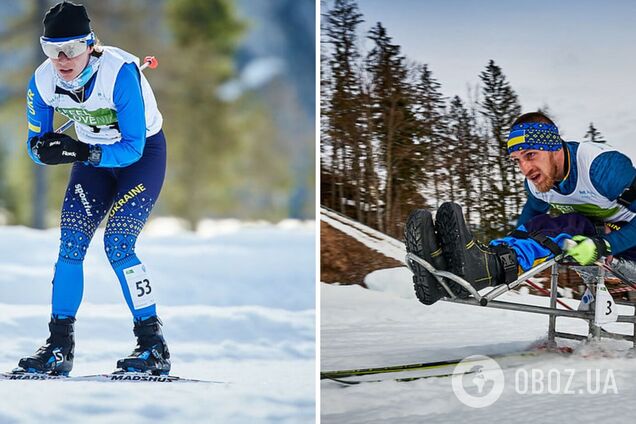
(543, 169)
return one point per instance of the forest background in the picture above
(392, 140)
(236, 87)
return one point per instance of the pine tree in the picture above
(482, 167)
(343, 111)
(372, 196)
(465, 167)
(206, 35)
(435, 152)
(327, 184)
(394, 124)
(500, 107)
(593, 135)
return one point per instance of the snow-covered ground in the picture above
(386, 325)
(237, 301)
(367, 328)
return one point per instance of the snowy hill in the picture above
(386, 325)
(237, 302)
(344, 259)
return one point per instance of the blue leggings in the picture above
(127, 195)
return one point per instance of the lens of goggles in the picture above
(71, 48)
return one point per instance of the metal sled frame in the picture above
(488, 300)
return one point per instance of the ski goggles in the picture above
(52, 47)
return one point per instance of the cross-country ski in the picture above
(115, 377)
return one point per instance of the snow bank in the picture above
(264, 265)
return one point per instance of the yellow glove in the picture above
(588, 249)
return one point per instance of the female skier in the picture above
(119, 163)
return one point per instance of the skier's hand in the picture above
(53, 149)
(588, 249)
(34, 144)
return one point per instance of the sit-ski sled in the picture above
(601, 307)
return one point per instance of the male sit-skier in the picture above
(588, 183)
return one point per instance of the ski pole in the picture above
(602, 265)
(616, 273)
(546, 292)
(149, 62)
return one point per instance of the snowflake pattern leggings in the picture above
(127, 195)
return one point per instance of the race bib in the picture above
(139, 286)
(605, 310)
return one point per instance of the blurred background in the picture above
(235, 84)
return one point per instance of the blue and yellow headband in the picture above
(534, 136)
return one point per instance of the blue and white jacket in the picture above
(118, 110)
(595, 177)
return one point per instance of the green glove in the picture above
(588, 249)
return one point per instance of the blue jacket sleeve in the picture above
(532, 208)
(611, 173)
(131, 117)
(39, 116)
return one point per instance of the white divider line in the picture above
(364, 229)
(391, 251)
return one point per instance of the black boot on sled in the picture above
(151, 354)
(420, 239)
(56, 356)
(480, 265)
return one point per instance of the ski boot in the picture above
(480, 265)
(420, 239)
(56, 356)
(151, 355)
